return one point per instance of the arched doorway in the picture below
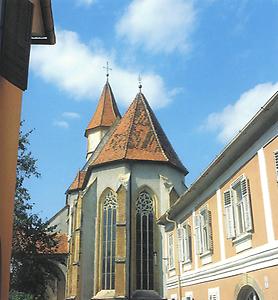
(248, 293)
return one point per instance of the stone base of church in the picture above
(146, 295)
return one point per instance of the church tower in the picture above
(105, 115)
(132, 177)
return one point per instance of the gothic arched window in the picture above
(108, 240)
(144, 241)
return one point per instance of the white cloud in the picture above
(70, 115)
(233, 117)
(158, 25)
(62, 124)
(77, 69)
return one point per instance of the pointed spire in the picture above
(107, 111)
(139, 136)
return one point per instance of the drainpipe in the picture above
(178, 270)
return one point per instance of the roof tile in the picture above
(78, 181)
(139, 136)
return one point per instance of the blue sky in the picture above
(207, 66)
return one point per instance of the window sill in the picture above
(171, 272)
(243, 242)
(206, 258)
(186, 262)
(186, 266)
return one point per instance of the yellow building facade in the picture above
(220, 239)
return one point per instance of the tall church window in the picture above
(109, 241)
(144, 241)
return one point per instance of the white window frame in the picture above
(276, 163)
(214, 294)
(171, 254)
(188, 296)
(184, 243)
(203, 232)
(238, 212)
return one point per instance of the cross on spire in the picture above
(107, 69)
(139, 82)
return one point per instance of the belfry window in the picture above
(144, 241)
(109, 241)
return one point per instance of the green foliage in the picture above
(33, 263)
(14, 295)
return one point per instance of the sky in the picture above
(207, 67)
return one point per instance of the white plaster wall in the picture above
(60, 220)
(94, 138)
(112, 176)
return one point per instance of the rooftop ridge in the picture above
(130, 129)
(148, 112)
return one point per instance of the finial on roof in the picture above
(107, 70)
(140, 83)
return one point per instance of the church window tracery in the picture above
(109, 241)
(144, 241)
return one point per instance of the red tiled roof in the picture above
(78, 181)
(107, 110)
(62, 247)
(139, 136)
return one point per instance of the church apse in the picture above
(121, 242)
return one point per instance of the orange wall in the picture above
(10, 109)
(272, 181)
(229, 286)
(251, 171)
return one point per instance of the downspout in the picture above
(178, 270)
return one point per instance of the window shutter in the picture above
(198, 241)
(16, 42)
(229, 215)
(189, 243)
(246, 204)
(276, 163)
(210, 239)
(181, 235)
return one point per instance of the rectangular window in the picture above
(203, 232)
(237, 205)
(276, 163)
(214, 294)
(185, 243)
(189, 296)
(171, 262)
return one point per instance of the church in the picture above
(135, 231)
(115, 243)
